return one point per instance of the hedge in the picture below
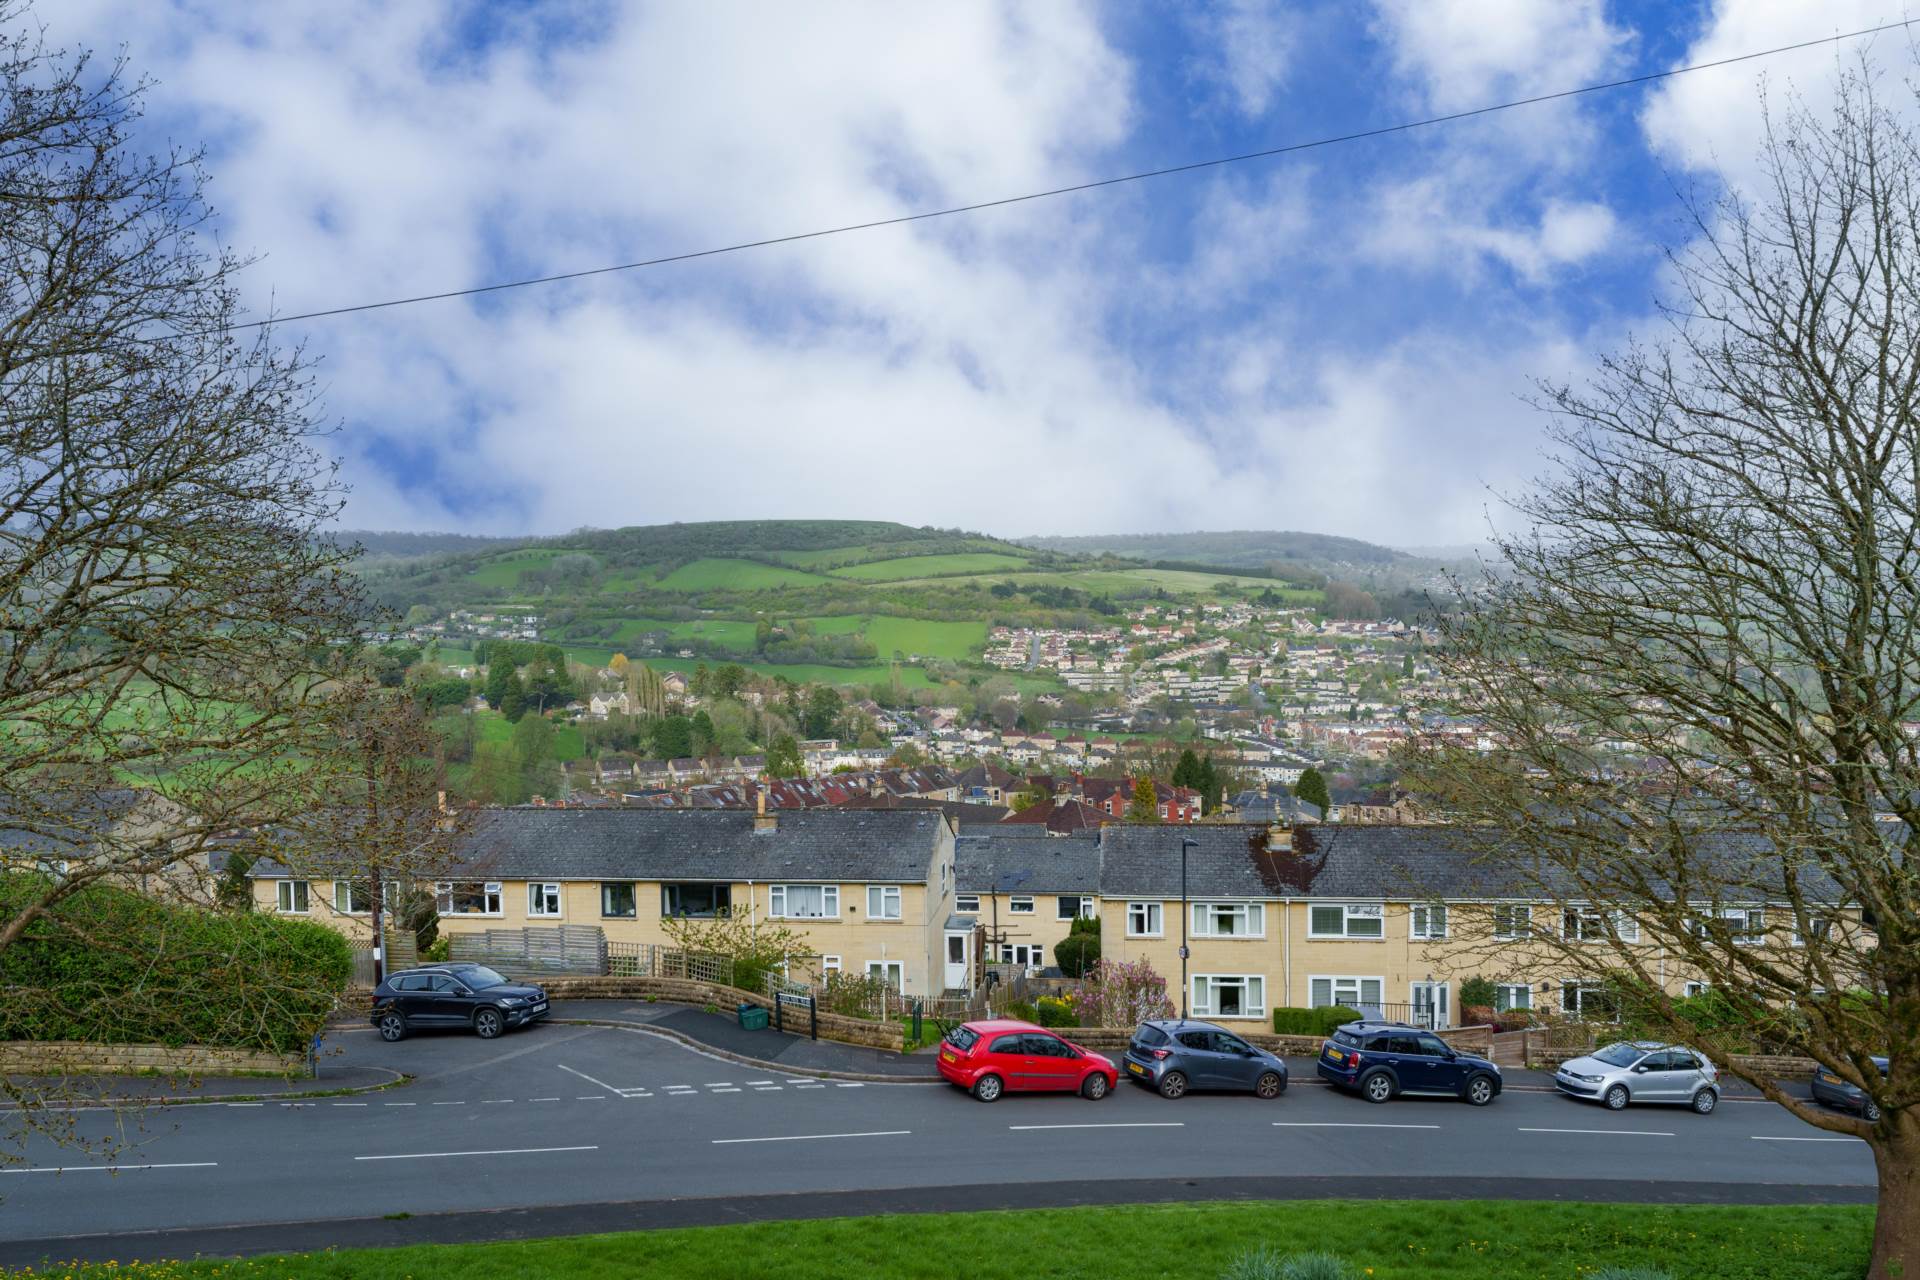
(1312, 1022)
(111, 966)
(1050, 1011)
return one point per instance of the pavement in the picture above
(565, 1127)
(723, 1032)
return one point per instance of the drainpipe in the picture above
(1286, 951)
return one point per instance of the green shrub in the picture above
(1631, 1273)
(1054, 1012)
(1265, 1264)
(1078, 952)
(1023, 1010)
(1312, 1022)
(1477, 991)
(110, 966)
(439, 951)
(1333, 1017)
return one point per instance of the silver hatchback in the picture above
(1642, 1071)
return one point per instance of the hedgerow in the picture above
(109, 966)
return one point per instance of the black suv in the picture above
(454, 995)
(1385, 1059)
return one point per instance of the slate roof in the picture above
(1143, 859)
(1004, 862)
(647, 844)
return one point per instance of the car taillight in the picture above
(1161, 1053)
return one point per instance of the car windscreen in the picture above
(480, 978)
(963, 1038)
(1148, 1034)
(1619, 1055)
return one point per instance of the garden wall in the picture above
(72, 1057)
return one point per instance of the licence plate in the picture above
(1136, 1068)
(947, 1057)
(1334, 1055)
(540, 1008)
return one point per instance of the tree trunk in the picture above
(1896, 1229)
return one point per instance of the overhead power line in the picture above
(1405, 126)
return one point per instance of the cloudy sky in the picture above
(1338, 341)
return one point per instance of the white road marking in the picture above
(852, 1086)
(510, 1151)
(1624, 1133)
(811, 1137)
(1761, 1138)
(246, 1104)
(719, 1084)
(758, 1082)
(494, 1102)
(543, 1099)
(397, 1104)
(809, 1086)
(450, 1104)
(584, 1076)
(590, 1097)
(726, 1091)
(1329, 1124)
(356, 1104)
(767, 1088)
(115, 1168)
(1127, 1124)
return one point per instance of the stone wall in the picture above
(1769, 1066)
(833, 1026)
(71, 1057)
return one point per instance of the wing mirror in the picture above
(1640, 1070)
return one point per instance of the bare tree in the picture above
(168, 605)
(1702, 666)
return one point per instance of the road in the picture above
(573, 1115)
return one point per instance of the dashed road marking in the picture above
(1118, 1124)
(1331, 1124)
(450, 1104)
(1622, 1133)
(246, 1104)
(349, 1104)
(845, 1085)
(726, 1091)
(543, 1099)
(590, 1097)
(1763, 1138)
(584, 1076)
(814, 1137)
(443, 1155)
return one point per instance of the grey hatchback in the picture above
(1173, 1056)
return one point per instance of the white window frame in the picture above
(1582, 985)
(1349, 912)
(1253, 913)
(1592, 924)
(884, 895)
(828, 964)
(967, 903)
(1015, 908)
(1339, 984)
(1688, 990)
(1422, 917)
(490, 893)
(1082, 907)
(1253, 995)
(1821, 924)
(880, 969)
(1512, 922)
(1503, 993)
(1747, 935)
(545, 894)
(777, 904)
(343, 896)
(1154, 920)
(285, 896)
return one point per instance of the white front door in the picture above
(957, 962)
(1430, 1007)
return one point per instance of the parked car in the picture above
(454, 995)
(990, 1058)
(1642, 1071)
(1386, 1059)
(1835, 1092)
(1173, 1056)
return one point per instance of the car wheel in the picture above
(1871, 1112)
(988, 1088)
(1271, 1084)
(1173, 1085)
(392, 1027)
(1617, 1098)
(488, 1023)
(1377, 1087)
(1705, 1101)
(1479, 1091)
(1094, 1087)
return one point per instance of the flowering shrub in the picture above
(1120, 993)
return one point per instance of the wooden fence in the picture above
(559, 949)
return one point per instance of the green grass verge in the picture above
(1383, 1240)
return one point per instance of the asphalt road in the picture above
(579, 1116)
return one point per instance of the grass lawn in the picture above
(1390, 1240)
(732, 575)
(953, 640)
(904, 567)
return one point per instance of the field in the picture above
(728, 633)
(504, 570)
(906, 567)
(1379, 1240)
(491, 726)
(732, 575)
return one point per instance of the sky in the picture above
(1342, 341)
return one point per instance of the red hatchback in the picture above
(989, 1058)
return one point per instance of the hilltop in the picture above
(1239, 549)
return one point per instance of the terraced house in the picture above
(1024, 890)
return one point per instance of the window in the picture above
(468, 899)
(1070, 907)
(967, 903)
(1512, 922)
(1579, 924)
(1143, 920)
(617, 900)
(1020, 905)
(1353, 993)
(1349, 920)
(1592, 1001)
(355, 897)
(1429, 920)
(883, 902)
(543, 899)
(1692, 989)
(1229, 995)
(696, 899)
(1819, 928)
(293, 897)
(1030, 955)
(805, 901)
(828, 964)
(1747, 928)
(1229, 920)
(956, 949)
(890, 972)
(1509, 996)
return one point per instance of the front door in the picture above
(1430, 1005)
(956, 972)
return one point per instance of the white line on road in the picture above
(246, 1104)
(543, 1099)
(584, 1076)
(450, 1104)
(491, 1102)
(759, 1082)
(1761, 1138)
(767, 1088)
(810, 1137)
(590, 1097)
(1330, 1124)
(1622, 1133)
(357, 1104)
(809, 1086)
(726, 1091)
(396, 1104)
(719, 1084)
(115, 1168)
(1126, 1124)
(442, 1155)
(852, 1086)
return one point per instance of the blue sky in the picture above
(1339, 341)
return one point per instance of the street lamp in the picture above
(1186, 842)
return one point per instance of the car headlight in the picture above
(511, 1000)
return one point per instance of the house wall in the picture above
(1043, 928)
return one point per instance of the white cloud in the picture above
(1251, 43)
(1467, 53)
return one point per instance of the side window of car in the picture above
(1048, 1047)
(1201, 1040)
(1405, 1044)
(410, 982)
(1009, 1044)
(1433, 1046)
(441, 982)
(1684, 1061)
(1230, 1044)
(1380, 1044)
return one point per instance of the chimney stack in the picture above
(763, 822)
(1279, 838)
